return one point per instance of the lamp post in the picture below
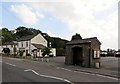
(50, 44)
(48, 55)
(14, 48)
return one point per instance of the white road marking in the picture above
(82, 72)
(62, 79)
(88, 73)
(107, 77)
(63, 69)
(28, 70)
(10, 64)
(32, 71)
(15, 59)
(98, 75)
(35, 72)
(53, 77)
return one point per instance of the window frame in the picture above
(96, 54)
(22, 44)
(26, 43)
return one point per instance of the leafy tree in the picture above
(23, 31)
(7, 35)
(46, 51)
(35, 31)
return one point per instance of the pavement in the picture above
(109, 66)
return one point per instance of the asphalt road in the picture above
(16, 74)
(15, 70)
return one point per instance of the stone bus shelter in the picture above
(83, 52)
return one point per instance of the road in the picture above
(16, 74)
(18, 70)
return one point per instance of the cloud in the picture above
(89, 18)
(40, 15)
(26, 14)
(54, 35)
(80, 18)
(20, 0)
(51, 34)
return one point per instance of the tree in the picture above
(46, 51)
(7, 35)
(23, 31)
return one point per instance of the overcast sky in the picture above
(89, 18)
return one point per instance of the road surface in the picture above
(18, 70)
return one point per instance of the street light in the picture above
(14, 48)
(50, 44)
(48, 55)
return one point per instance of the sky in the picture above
(64, 18)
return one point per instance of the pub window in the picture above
(26, 44)
(21, 44)
(18, 45)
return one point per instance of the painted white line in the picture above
(88, 73)
(73, 71)
(97, 75)
(32, 71)
(82, 72)
(53, 77)
(62, 79)
(35, 72)
(28, 70)
(63, 68)
(10, 64)
(15, 59)
(68, 81)
(107, 77)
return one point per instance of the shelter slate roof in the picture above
(86, 40)
(78, 41)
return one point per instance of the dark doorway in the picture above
(77, 56)
(26, 52)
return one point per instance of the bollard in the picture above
(97, 65)
(37, 59)
(47, 60)
(42, 59)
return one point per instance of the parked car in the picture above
(6, 50)
(117, 54)
(51, 55)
